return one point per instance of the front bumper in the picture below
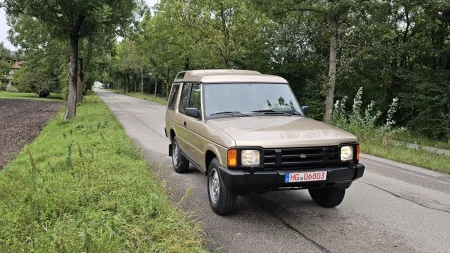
(245, 181)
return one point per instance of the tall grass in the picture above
(378, 139)
(83, 187)
(409, 137)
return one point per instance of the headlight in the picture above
(249, 157)
(346, 153)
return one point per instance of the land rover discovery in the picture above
(247, 132)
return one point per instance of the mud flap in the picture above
(170, 149)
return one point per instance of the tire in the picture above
(327, 197)
(179, 162)
(223, 201)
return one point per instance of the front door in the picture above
(187, 126)
(180, 119)
(194, 123)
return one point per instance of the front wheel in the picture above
(223, 201)
(327, 197)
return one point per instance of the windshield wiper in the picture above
(234, 114)
(272, 112)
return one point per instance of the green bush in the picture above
(364, 125)
(2, 85)
(356, 121)
(11, 88)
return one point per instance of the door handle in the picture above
(185, 124)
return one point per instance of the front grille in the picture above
(301, 158)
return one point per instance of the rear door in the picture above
(171, 106)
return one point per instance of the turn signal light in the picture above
(357, 152)
(232, 158)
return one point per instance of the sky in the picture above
(4, 27)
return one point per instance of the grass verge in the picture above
(409, 137)
(159, 100)
(418, 157)
(82, 186)
(20, 95)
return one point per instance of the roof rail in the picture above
(180, 75)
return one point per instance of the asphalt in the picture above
(393, 208)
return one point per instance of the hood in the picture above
(281, 131)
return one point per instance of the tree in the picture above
(36, 80)
(73, 20)
(131, 62)
(42, 58)
(228, 29)
(202, 34)
(163, 43)
(5, 55)
(333, 13)
(92, 53)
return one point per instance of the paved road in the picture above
(393, 208)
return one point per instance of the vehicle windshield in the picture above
(249, 99)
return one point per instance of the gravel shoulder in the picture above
(20, 123)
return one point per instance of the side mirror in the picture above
(193, 112)
(305, 110)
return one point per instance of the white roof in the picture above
(227, 76)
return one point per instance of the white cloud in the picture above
(4, 27)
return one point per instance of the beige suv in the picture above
(247, 133)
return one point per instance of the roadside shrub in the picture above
(11, 88)
(34, 80)
(2, 85)
(364, 124)
(390, 115)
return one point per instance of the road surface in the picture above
(393, 208)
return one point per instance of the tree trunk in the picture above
(226, 65)
(135, 83)
(127, 80)
(186, 63)
(167, 88)
(73, 71)
(80, 86)
(167, 82)
(142, 82)
(226, 39)
(156, 84)
(332, 70)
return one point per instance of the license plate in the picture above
(305, 177)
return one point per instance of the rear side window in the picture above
(184, 97)
(173, 96)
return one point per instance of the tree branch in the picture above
(300, 10)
